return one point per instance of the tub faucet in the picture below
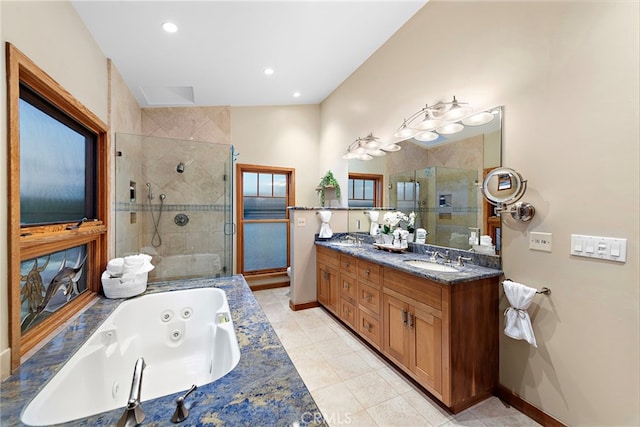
(133, 414)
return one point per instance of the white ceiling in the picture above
(221, 49)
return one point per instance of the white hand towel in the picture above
(373, 216)
(517, 321)
(114, 267)
(325, 230)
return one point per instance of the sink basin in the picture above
(342, 243)
(431, 266)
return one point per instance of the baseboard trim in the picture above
(5, 364)
(296, 307)
(526, 408)
(264, 286)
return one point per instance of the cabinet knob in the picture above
(367, 326)
(367, 271)
(346, 285)
(367, 297)
(404, 316)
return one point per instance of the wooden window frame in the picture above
(240, 169)
(32, 241)
(377, 187)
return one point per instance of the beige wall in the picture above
(567, 74)
(65, 50)
(283, 136)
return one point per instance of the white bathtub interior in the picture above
(186, 337)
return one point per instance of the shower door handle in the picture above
(230, 226)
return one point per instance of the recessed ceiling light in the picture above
(296, 94)
(169, 27)
(268, 71)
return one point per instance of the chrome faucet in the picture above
(446, 258)
(461, 260)
(133, 414)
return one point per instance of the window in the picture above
(57, 204)
(365, 191)
(263, 233)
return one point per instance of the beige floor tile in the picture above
(434, 414)
(305, 353)
(396, 380)
(292, 339)
(465, 419)
(372, 359)
(320, 333)
(360, 419)
(349, 365)
(371, 389)
(494, 412)
(333, 347)
(336, 402)
(317, 374)
(396, 412)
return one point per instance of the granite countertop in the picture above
(366, 251)
(263, 389)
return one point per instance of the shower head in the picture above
(180, 168)
(149, 192)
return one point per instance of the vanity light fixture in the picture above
(367, 148)
(268, 71)
(443, 118)
(296, 94)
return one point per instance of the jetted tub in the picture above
(185, 337)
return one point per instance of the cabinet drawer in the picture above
(369, 297)
(369, 273)
(327, 256)
(348, 287)
(348, 312)
(349, 265)
(369, 327)
(417, 289)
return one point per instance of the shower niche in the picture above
(151, 191)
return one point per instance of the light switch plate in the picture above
(539, 241)
(607, 248)
(301, 222)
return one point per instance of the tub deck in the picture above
(263, 389)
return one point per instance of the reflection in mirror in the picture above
(440, 181)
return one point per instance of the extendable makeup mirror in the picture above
(503, 187)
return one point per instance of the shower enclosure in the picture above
(173, 201)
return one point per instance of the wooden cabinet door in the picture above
(327, 283)
(426, 348)
(395, 342)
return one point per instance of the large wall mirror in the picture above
(441, 182)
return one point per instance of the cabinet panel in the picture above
(348, 312)
(349, 265)
(395, 341)
(369, 273)
(369, 297)
(369, 327)
(327, 287)
(348, 286)
(426, 348)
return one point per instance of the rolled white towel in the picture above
(114, 266)
(486, 240)
(132, 264)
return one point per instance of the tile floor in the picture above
(352, 386)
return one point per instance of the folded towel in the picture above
(517, 321)
(114, 266)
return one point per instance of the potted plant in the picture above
(328, 182)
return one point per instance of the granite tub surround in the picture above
(473, 270)
(263, 389)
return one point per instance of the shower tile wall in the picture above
(175, 135)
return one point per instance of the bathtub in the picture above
(185, 337)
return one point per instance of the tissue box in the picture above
(124, 287)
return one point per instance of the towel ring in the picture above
(544, 289)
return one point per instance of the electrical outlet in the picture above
(301, 222)
(540, 241)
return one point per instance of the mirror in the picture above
(503, 186)
(441, 180)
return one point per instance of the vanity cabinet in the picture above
(327, 279)
(444, 336)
